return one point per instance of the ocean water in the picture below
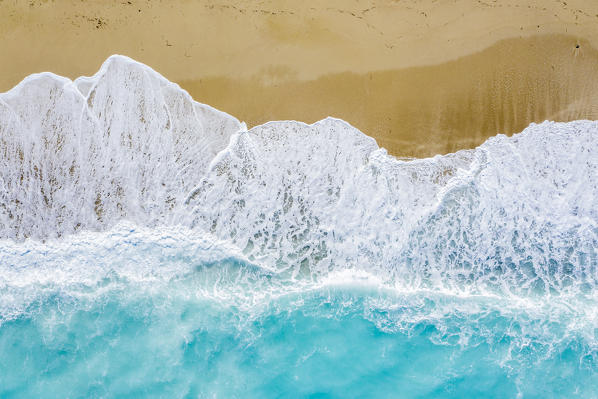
(151, 246)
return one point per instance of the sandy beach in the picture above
(422, 77)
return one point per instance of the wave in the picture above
(516, 216)
(123, 144)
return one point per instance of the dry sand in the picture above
(421, 76)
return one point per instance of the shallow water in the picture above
(132, 313)
(335, 342)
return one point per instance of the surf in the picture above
(121, 195)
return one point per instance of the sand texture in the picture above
(422, 77)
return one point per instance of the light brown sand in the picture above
(421, 76)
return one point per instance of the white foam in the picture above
(130, 148)
(515, 216)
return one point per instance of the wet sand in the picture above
(422, 77)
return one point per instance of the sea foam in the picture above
(517, 215)
(153, 246)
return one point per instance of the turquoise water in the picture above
(120, 338)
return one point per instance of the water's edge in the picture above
(153, 246)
